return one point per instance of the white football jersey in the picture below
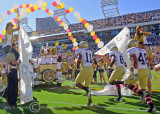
(86, 56)
(119, 58)
(141, 56)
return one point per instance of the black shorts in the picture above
(101, 70)
(70, 71)
(95, 74)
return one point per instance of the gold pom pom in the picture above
(64, 46)
(56, 43)
(54, 50)
(69, 53)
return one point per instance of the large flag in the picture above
(25, 49)
(121, 42)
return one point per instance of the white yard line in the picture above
(97, 106)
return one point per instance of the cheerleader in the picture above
(42, 57)
(54, 54)
(48, 57)
(59, 70)
(95, 70)
(101, 70)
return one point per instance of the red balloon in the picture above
(47, 10)
(61, 21)
(66, 11)
(54, 3)
(15, 20)
(94, 37)
(74, 49)
(27, 5)
(32, 9)
(20, 6)
(100, 55)
(56, 17)
(39, 8)
(1, 36)
(67, 30)
(71, 38)
(8, 12)
(84, 21)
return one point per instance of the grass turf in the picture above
(72, 100)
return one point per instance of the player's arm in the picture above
(135, 61)
(113, 59)
(79, 59)
(135, 66)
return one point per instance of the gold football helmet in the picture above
(83, 44)
(114, 48)
(132, 43)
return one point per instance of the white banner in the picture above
(25, 49)
(121, 42)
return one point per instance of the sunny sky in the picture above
(89, 9)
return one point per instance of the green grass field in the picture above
(68, 100)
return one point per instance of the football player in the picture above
(117, 59)
(86, 73)
(140, 66)
(150, 60)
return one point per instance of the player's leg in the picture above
(143, 85)
(80, 78)
(87, 82)
(115, 79)
(149, 85)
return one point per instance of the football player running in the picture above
(86, 73)
(141, 70)
(117, 59)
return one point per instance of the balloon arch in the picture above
(40, 5)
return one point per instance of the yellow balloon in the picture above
(28, 10)
(12, 10)
(0, 20)
(15, 26)
(63, 24)
(44, 4)
(58, 19)
(93, 33)
(77, 47)
(58, 6)
(80, 19)
(70, 34)
(49, 13)
(97, 40)
(73, 40)
(4, 32)
(71, 9)
(30, 5)
(35, 7)
(43, 9)
(24, 5)
(62, 5)
(0, 40)
(19, 17)
(86, 25)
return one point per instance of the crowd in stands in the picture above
(111, 22)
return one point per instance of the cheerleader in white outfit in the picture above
(59, 71)
(41, 58)
(48, 57)
(54, 54)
